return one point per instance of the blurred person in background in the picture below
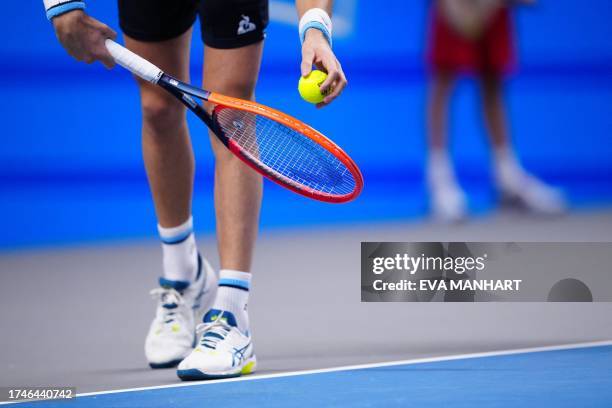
(476, 37)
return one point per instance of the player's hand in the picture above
(316, 50)
(83, 37)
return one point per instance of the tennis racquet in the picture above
(274, 144)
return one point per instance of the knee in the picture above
(242, 88)
(237, 88)
(162, 113)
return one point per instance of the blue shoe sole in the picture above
(169, 364)
(197, 375)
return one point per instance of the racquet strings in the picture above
(284, 153)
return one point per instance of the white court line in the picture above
(359, 367)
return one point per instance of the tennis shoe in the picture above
(222, 351)
(181, 304)
(527, 192)
(448, 203)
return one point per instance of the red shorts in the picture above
(492, 52)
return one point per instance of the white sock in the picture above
(179, 251)
(509, 172)
(233, 296)
(440, 169)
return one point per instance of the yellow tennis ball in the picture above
(309, 86)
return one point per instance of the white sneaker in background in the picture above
(537, 197)
(448, 203)
(447, 200)
(522, 189)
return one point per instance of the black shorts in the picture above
(225, 23)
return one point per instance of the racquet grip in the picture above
(133, 63)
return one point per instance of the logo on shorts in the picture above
(245, 25)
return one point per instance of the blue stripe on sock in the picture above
(176, 239)
(234, 283)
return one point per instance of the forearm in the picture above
(303, 6)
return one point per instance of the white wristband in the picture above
(318, 19)
(57, 7)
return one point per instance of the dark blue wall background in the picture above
(70, 162)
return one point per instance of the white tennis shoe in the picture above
(448, 203)
(447, 200)
(223, 351)
(180, 306)
(527, 192)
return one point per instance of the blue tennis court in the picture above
(571, 376)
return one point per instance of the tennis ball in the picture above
(309, 86)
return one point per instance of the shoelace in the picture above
(170, 299)
(213, 332)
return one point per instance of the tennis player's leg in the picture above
(516, 185)
(447, 198)
(238, 192)
(166, 145)
(233, 33)
(188, 285)
(238, 189)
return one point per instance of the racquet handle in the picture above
(133, 63)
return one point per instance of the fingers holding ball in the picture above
(309, 86)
